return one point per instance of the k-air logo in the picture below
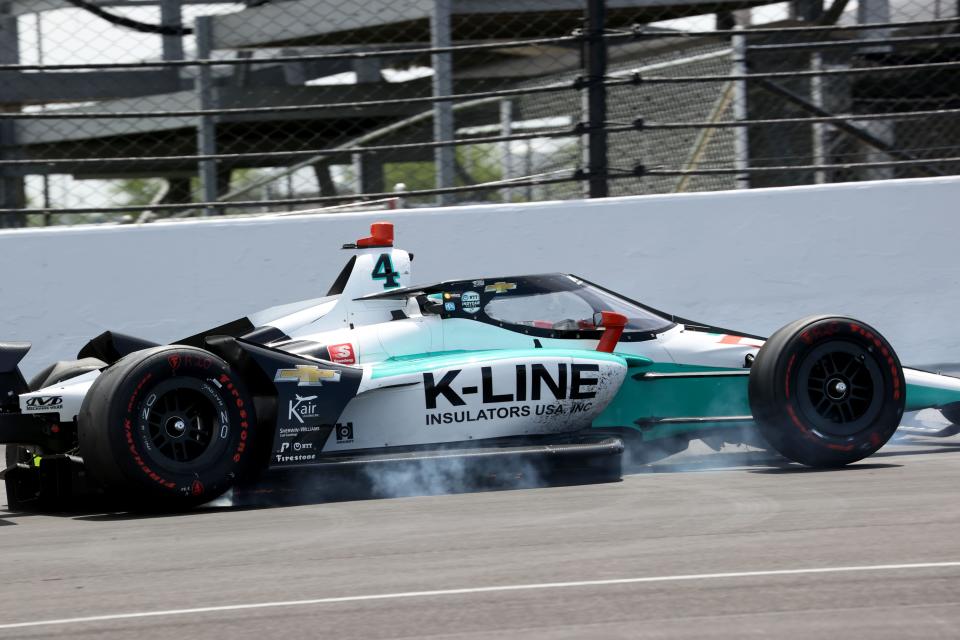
(307, 375)
(44, 403)
(532, 382)
(302, 407)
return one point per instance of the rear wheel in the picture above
(168, 427)
(826, 391)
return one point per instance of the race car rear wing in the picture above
(12, 383)
(15, 427)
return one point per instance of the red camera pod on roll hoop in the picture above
(381, 235)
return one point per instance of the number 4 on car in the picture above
(548, 366)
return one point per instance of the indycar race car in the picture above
(549, 365)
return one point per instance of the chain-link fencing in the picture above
(127, 110)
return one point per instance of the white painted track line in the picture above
(479, 590)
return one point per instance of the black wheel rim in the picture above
(840, 387)
(181, 422)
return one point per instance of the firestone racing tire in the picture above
(826, 391)
(167, 428)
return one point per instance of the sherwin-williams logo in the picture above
(307, 375)
(570, 382)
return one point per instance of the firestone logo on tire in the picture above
(342, 353)
(174, 361)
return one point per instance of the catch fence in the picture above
(232, 108)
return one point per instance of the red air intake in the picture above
(613, 324)
(381, 235)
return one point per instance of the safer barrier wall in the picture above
(752, 260)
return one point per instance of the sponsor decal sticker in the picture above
(478, 283)
(449, 306)
(545, 385)
(344, 433)
(342, 353)
(307, 375)
(470, 301)
(301, 457)
(302, 407)
(44, 403)
(500, 287)
(294, 430)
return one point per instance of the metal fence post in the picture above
(442, 63)
(506, 153)
(171, 16)
(741, 141)
(818, 98)
(12, 194)
(876, 11)
(206, 125)
(595, 100)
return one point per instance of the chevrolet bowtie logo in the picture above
(307, 375)
(499, 287)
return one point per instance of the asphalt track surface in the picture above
(728, 545)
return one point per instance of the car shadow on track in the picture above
(409, 479)
(753, 462)
(851, 468)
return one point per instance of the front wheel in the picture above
(826, 391)
(167, 427)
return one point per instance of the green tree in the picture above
(136, 191)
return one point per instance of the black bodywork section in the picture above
(12, 383)
(110, 346)
(302, 398)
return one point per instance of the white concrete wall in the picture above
(885, 252)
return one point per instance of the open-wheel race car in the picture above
(548, 365)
